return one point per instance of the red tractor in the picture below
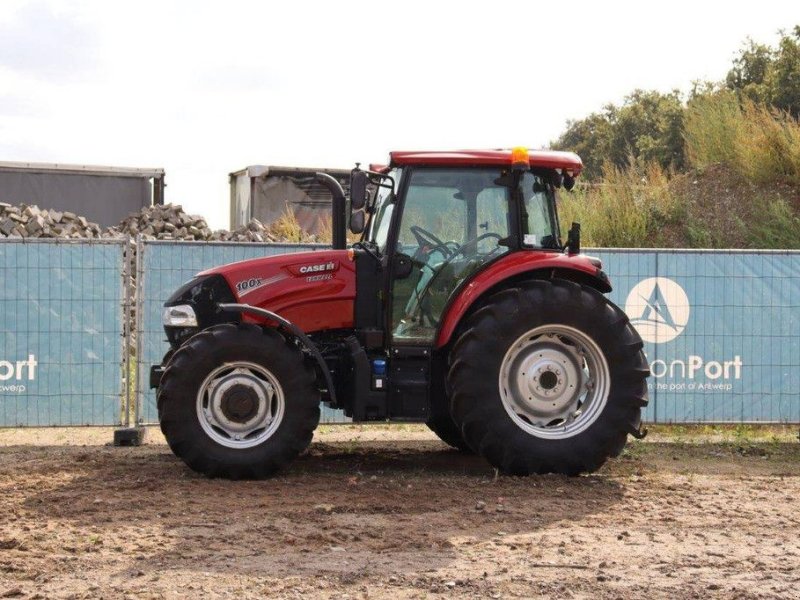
(459, 307)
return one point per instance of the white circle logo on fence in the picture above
(658, 308)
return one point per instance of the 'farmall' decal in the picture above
(318, 268)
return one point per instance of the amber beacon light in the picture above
(520, 158)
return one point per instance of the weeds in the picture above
(287, 227)
(775, 225)
(627, 208)
(763, 144)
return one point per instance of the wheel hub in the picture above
(240, 405)
(547, 380)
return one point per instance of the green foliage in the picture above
(762, 144)
(769, 75)
(747, 124)
(712, 127)
(775, 225)
(647, 126)
(749, 71)
(626, 209)
(590, 138)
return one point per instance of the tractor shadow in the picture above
(342, 509)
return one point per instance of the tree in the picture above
(591, 139)
(647, 126)
(783, 78)
(769, 75)
(749, 72)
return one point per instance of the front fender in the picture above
(291, 329)
(511, 267)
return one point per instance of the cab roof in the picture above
(548, 159)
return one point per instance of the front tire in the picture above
(238, 401)
(547, 377)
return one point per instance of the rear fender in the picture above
(511, 269)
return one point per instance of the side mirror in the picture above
(358, 189)
(357, 221)
(574, 239)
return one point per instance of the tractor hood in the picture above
(314, 290)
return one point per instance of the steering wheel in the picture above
(418, 295)
(427, 239)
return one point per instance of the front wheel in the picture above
(238, 401)
(547, 377)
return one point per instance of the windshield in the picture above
(540, 230)
(383, 209)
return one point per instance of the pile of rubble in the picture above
(162, 222)
(33, 222)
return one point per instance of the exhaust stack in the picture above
(338, 208)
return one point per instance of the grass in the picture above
(626, 209)
(287, 228)
(744, 161)
(734, 433)
(761, 143)
(775, 225)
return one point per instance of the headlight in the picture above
(179, 316)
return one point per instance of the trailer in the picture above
(267, 193)
(104, 195)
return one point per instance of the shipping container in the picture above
(266, 193)
(104, 195)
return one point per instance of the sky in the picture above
(202, 89)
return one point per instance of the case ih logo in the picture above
(328, 266)
(659, 309)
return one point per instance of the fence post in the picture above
(131, 434)
(126, 333)
(139, 326)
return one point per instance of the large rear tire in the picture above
(238, 401)
(547, 377)
(446, 430)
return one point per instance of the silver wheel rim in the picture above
(240, 405)
(554, 381)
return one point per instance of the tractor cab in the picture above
(454, 220)
(459, 307)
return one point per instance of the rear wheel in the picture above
(238, 401)
(547, 377)
(446, 430)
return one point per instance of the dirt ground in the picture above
(380, 512)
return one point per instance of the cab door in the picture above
(452, 221)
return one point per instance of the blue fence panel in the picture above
(165, 266)
(626, 269)
(721, 331)
(721, 328)
(61, 332)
